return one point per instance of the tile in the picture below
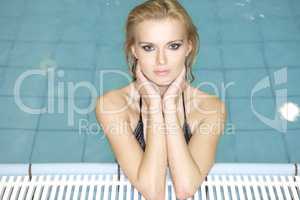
(263, 115)
(20, 112)
(30, 55)
(82, 8)
(41, 28)
(209, 57)
(242, 55)
(30, 82)
(2, 75)
(245, 117)
(226, 149)
(208, 32)
(113, 31)
(120, 8)
(10, 28)
(295, 4)
(275, 8)
(71, 83)
(110, 34)
(120, 78)
(15, 145)
(292, 143)
(261, 147)
(234, 10)
(35, 7)
(57, 146)
(240, 31)
(292, 80)
(98, 148)
(5, 49)
(230, 126)
(239, 86)
(111, 56)
(280, 29)
(297, 20)
(80, 55)
(12, 8)
(65, 114)
(200, 10)
(78, 28)
(282, 54)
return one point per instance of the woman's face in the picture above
(161, 45)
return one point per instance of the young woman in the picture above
(159, 121)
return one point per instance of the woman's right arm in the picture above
(145, 170)
(154, 162)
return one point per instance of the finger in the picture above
(140, 73)
(178, 81)
(139, 79)
(137, 71)
(143, 82)
(183, 81)
(182, 74)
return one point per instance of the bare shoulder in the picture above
(111, 107)
(211, 111)
(206, 104)
(112, 102)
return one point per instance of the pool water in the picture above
(57, 56)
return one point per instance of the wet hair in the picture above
(160, 9)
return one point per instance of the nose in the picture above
(161, 57)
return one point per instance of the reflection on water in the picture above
(290, 111)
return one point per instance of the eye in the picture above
(148, 48)
(175, 46)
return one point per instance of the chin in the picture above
(163, 82)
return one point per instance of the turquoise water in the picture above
(65, 42)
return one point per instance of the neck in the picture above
(162, 90)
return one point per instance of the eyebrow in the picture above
(179, 40)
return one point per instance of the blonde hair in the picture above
(160, 9)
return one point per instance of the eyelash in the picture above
(178, 46)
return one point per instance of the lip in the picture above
(162, 72)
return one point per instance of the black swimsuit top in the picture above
(139, 131)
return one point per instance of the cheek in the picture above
(144, 58)
(176, 56)
(146, 64)
(177, 63)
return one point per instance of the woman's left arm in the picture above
(190, 164)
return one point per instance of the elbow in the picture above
(151, 192)
(157, 196)
(187, 191)
(187, 188)
(182, 194)
(153, 195)
(158, 193)
(151, 188)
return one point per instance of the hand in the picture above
(174, 91)
(148, 90)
